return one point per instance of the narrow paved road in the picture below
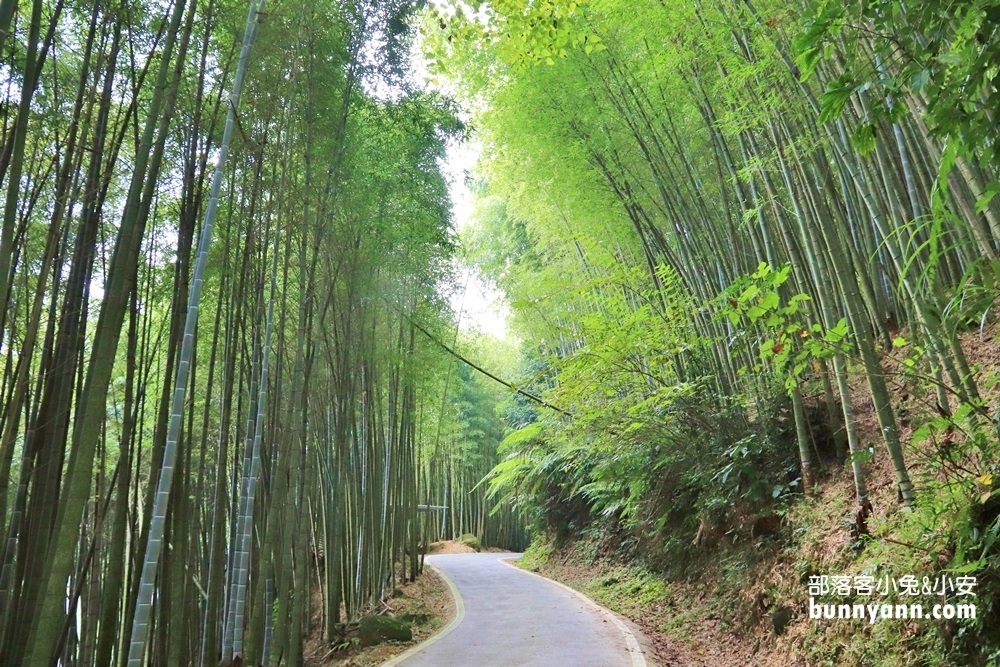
(516, 619)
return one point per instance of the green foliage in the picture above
(536, 479)
(377, 629)
(470, 540)
(789, 343)
(658, 470)
(528, 33)
(945, 53)
(537, 554)
(465, 429)
(630, 590)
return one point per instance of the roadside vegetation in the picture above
(419, 608)
(751, 250)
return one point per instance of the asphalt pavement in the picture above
(511, 618)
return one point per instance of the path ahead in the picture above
(516, 619)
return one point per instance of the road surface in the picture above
(510, 618)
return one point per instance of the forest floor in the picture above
(427, 600)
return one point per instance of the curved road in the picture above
(510, 618)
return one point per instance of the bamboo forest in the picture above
(745, 260)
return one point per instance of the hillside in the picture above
(743, 600)
(751, 254)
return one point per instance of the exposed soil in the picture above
(427, 599)
(450, 547)
(456, 547)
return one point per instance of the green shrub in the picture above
(377, 629)
(472, 541)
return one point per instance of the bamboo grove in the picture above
(218, 416)
(761, 200)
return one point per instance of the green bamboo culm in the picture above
(20, 137)
(42, 640)
(154, 545)
(233, 636)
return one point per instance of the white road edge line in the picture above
(459, 615)
(634, 650)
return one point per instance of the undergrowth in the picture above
(752, 596)
(688, 514)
